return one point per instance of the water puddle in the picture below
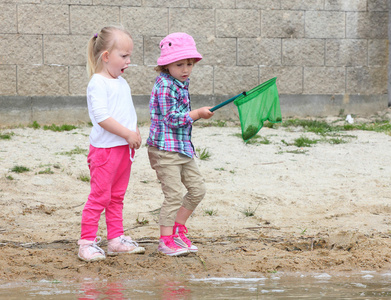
(364, 285)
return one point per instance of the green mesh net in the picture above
(256, 106)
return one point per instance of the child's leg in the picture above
(194, 182)
(168, 167)
(121, 168)
(99, 197)
(192, 178)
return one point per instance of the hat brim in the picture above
(166, 60)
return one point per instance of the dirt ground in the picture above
(269, 207)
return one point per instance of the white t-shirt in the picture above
(109, 98)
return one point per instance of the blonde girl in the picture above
(113, 140)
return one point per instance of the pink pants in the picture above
(110, 172)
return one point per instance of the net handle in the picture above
(226, 102)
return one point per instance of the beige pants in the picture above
(175, 170)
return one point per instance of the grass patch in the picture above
(9, 177)
(61, 128)
(6, 136)
(46, 171)
(34, 125)
(84, 177)
(203, 153)
(304, 142)
(210, 212)
(77, 150)
(20, 169)
(249, 212)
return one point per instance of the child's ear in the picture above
(105, 56)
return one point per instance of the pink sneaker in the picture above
(167, 246)
(123, 244)
(181, 240)
(89, 250)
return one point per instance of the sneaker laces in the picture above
(169, 241)
(127, 240)
(94, 248)
(181, 229)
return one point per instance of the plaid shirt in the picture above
(169, 108)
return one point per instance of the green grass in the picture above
(46, 171)
(34, 125)
(210, 212)
(20, 169)
(6, 136)
(61, 128)
(77, 150)
(84, 177)
(203, 153)
(304, 142)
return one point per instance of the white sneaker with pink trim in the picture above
(123, 244)
(90, 251)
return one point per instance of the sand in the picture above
(269, 207)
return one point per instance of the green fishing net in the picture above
(256, 106)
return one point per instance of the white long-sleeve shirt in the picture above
(109, 98)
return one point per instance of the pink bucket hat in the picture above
(177, 46)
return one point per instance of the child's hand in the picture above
(202, 113)
(134, 140)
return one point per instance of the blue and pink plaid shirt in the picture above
(169, 108)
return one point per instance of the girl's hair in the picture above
(103, 41)
(164, 69)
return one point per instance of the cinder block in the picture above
(324, 80)
(378, 5)
(137, 57)
(141, 79)
(366, 81)
(346, 52)
(118, 2)
(378, 52)
(196, 22)
(90, 19)
(367, 25)
(234, 80)
(217, 51)
(289, 79)
(151, 50)
(303, 52)
(20, 49)
(259, 51)
(302, 5)
(78, 80)
(43, 19)
(237, 23)
(42, 80)
(324, 24)
(165, 3)
(213, 4)
(7, 79)
(282, 24)
(201, 80)
(146, 21)
(259, 4)
(346, 5)
(8, 19)
(65, 49)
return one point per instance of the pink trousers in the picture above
(110, 172)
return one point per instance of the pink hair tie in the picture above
(95, 35)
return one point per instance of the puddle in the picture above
(364, 285)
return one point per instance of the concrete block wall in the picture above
(328, 55)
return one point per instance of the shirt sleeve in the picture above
(175, 114)
(98, 100)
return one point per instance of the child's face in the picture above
(181, 69)
(118, 59)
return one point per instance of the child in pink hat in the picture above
(171, 152)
